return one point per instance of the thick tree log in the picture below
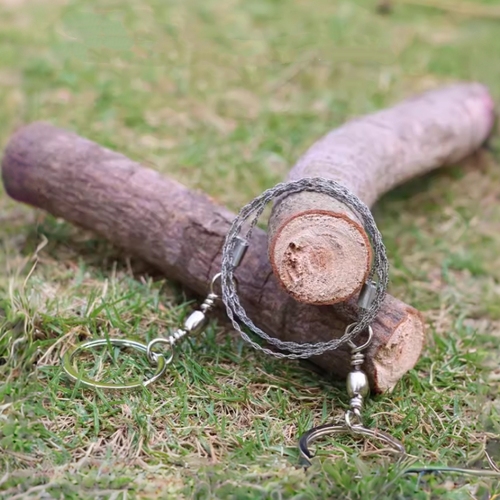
(182, 232)
(318, 248)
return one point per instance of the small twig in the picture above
(461, 8)
(4, 478)
(492, 464)
(292, 71)
(49, 351)
(21, 457)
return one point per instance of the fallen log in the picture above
(182, 232)
(318, 248)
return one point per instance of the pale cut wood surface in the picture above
(181, 232)
(317, 247)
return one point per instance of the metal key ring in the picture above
(328, 429)
(74, 373)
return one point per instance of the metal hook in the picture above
(355, 429)
(212, 283)
(396, 447)
(352, 345)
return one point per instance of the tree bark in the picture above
(182, 232)
(318, 248)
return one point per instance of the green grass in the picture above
(224, 95)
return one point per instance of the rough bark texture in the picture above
(182, 232)
(317, 246)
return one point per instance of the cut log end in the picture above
(400, 353)
(321, 257)
(370, 156)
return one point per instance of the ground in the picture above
(224, 96)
